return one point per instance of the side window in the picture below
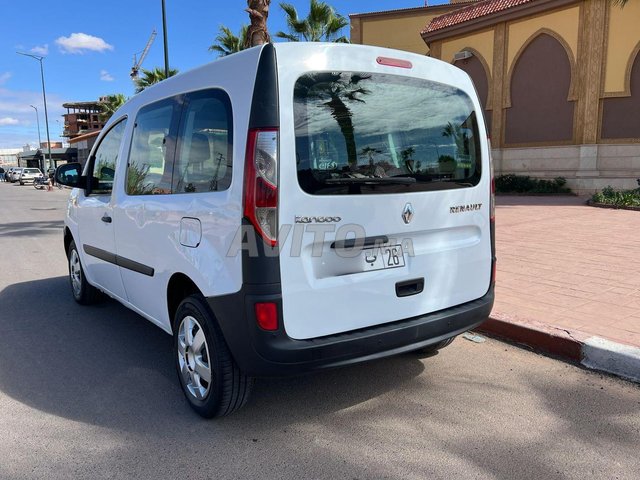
(150, 164)
(203, 156)
(105, 160)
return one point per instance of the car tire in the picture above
(433, 349)
(211, 381)
(83, 292)
(21, 183)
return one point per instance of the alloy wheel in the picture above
(75, 272)
(193, 358)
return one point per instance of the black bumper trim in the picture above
(260, 353)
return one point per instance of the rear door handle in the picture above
(106, 218)
(410, 287)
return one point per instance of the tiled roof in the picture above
(471, 12)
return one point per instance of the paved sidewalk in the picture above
(567, 266)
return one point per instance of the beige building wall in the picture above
(481, 42)
(623, 40)
(565, 23)
(399, 29)
(601, 40)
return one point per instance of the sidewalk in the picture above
(566, 271)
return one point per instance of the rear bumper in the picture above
(261, 353)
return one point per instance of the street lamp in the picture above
(166, 47)
(39, 140)
(44, 96)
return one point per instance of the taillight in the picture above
(267, 315)
(261, 183)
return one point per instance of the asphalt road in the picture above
(91, 392)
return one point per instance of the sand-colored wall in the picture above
(623, 37)
(481, 42)
(563, 22)
(400, 32)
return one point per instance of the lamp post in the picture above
(166, 48)
(44, 97)
(39, 140)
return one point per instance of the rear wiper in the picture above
(371, 180)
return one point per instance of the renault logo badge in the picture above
(407, 213)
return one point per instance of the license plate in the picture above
(383, 257)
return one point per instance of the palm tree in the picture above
(322, 24)
(257, 33)
(151, 77)
(110, 104)
(227, 43)
(336, 91)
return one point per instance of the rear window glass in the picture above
(362, 133)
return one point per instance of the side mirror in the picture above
(69, 174)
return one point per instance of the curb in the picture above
(591, 352)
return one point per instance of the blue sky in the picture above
(89, 49)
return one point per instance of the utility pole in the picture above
(39, 140)
(166, 48)
(44, 96)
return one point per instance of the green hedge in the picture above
(618, 198)
(524, 184)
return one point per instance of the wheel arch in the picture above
(179, 287)
(68, 238)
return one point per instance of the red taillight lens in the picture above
(261, 183)
(394, 62)
(267, 315)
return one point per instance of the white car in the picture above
(28, 175)
(14, 173)
(290, 208)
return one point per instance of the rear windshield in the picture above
(362, 133)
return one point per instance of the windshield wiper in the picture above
(371, 180)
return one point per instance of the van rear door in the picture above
(384, 188)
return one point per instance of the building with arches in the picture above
(559, 81)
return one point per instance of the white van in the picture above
(289, 208)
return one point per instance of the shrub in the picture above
(524, 184)
(618, 198)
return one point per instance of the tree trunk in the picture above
(257, 33)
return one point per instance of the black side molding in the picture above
(118, 260)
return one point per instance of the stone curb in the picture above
(591, 352)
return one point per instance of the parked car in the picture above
(14, 174)
(28, 175)
(282, 210)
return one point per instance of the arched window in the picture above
(477, 70)
(620, 117)
(540, 111)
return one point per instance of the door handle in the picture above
(106, 218)
(410, 287)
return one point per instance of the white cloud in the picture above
(106, 76)
(9, 121)
(4, 77)
(81, 42)
(41, 49)
(14, 105)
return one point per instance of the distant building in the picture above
(53, 145)
(82, 118)
(9, 156)
(559, 80)
(83, 145)
(33, 158)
